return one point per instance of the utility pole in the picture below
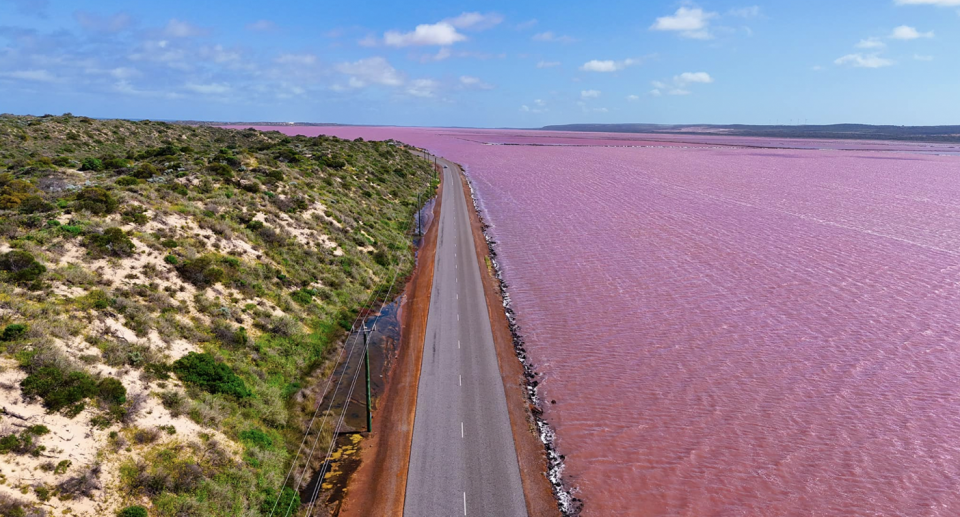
(366, 371)
(419, 211)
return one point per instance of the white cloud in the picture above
(368, 41)
(422, 88)
(905, 32)
(441, 54)
(919, 57)
(180, 29)
(589, 94)
(689, 22)
(538, 109)
(436, 34)
(871, 43)
(608, 65)
(680, 83)
(125, 73)
(864, 61)
(939, 3)
(108, 24)
(548, 64)
(475, 21)
(296, 59)
(218, 54)
(552, 38)
(467, 81)
(746, 12)
(693, 77)
(208, 89)
(633, 98)
(527, 24)
(42, 76)
(262, 26)
(371, 70)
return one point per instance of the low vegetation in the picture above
(170, 289)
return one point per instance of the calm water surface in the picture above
(730, 330)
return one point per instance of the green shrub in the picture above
(381, 257)
(13, 332)
(13, 191)
(111, 391)
(112, 162)
(35, 205)
(57, 388)
(91, 164)
(133, 511)
(334, 162)
(136, 215)
(232, 338)
(71, 230)
(204, 371)
(303, 296)
(126, 181)
(289, 498)
(256, 438)
(96, 200)
(200, 271)
(21, 267)
(221, 170)
(9, 443)
(171, 259)
(96, 299)
(145, 171)
(43, 493)
(112, 242)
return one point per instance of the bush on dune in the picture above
(96, 200)
(113, 242)
(21, 267)
(60, 389)
(205, 372)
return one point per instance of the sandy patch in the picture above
(319, 211)
(305, 236)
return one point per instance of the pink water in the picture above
(733, 331)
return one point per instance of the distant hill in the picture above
(834, 131)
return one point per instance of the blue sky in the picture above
(489, 64)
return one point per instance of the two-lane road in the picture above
(463, 460)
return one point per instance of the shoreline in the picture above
(378, 486)
(533, 436)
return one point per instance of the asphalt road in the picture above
(463, 460)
